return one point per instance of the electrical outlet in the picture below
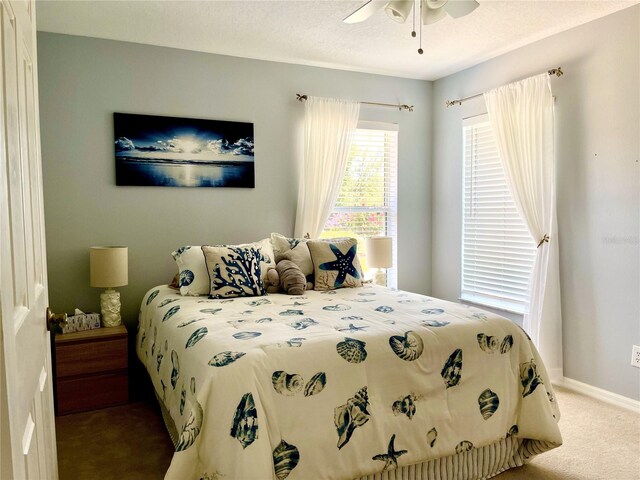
(635, 356)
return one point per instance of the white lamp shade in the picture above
(379, 252)
(109, 266)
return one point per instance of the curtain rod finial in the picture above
(556, 71)
(300, 97)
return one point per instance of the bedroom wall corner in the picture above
(598, 185)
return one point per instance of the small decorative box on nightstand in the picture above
(91, 369)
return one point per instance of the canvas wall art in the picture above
(182, 152)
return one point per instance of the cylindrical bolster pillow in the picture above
(292, 280)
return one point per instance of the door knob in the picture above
(53, 319)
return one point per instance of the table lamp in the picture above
(379, 257)
(109, 269)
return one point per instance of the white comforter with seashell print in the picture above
(343, 384)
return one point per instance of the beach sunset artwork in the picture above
(182, 152)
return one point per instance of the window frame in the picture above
(466, 295)
(391, 198)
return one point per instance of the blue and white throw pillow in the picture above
(192, 271)
(234, 271)
(192, 268)
(335, 263)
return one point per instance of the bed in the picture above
(351, 383)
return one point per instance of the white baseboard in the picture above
(599, 394)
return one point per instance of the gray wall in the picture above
(598, 184)
(84, 80)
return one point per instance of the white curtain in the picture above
(329, 127)
(522, 119)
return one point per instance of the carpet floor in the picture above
(601, 442)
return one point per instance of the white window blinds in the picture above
(497, 250)
(367, 202)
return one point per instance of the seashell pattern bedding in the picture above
(344, 384)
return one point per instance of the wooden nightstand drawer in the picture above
(86, 393)
(91, 369)
(91, 357)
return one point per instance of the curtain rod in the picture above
(302, 97)
(450, 103)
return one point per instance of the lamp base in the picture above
(380, 277)
(110, 306)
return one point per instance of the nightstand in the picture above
(91, 369)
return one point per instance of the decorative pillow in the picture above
(294, 249)
(336, 263)
(234, 271)
(194, 279)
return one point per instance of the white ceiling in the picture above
(312, 32)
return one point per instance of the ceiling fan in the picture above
(430, 11)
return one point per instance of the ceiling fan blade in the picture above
(460, 8)
(364, 11)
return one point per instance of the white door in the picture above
(27, 428)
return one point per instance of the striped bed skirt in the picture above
(475, 464)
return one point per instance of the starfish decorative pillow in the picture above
(335, 263)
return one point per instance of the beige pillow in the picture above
(335, 263)
(294, 249)
(234, 271)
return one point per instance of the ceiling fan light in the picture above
(399, 10)
(432, 15)
(433, 4)
(460, 8)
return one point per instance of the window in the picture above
(497, 250)
(367, 202)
